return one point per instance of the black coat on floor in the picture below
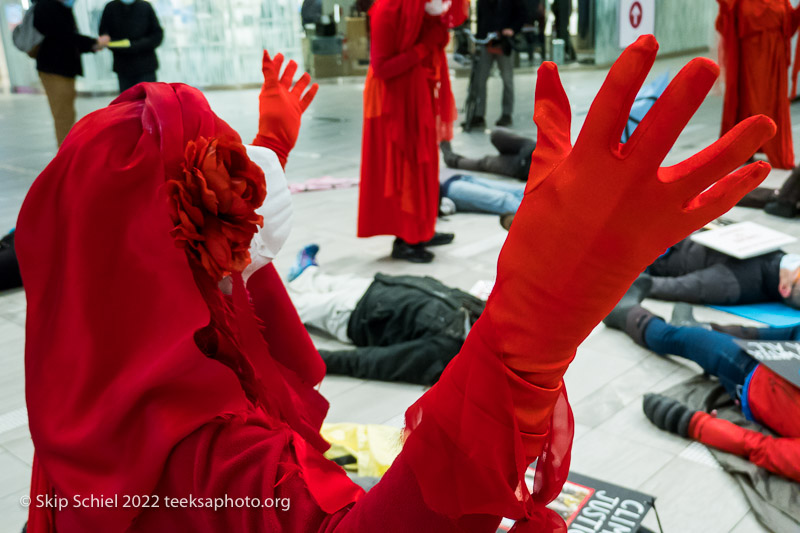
(138, 23)
(61, 49)
(407, 328)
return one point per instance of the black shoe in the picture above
(439, 239)
(415, 253)
(504, 121)
(781, 209)
(477, 123)
(667, 414)
(450, 159)
(628, 315)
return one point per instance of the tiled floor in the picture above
(606, 381)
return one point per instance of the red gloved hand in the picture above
(594, 216)
(280, 106)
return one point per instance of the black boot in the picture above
(439, 239)
(781, 209)
(451, 158)
(628, 315)
(636, 293)
(415, 253)
(667, 414)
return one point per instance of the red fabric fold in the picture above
(118, 378)
(408, 108)
(755, 51)
(471, 413)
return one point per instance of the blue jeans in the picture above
(715, 352)
(484, 195)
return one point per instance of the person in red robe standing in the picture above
(187, 409)
(755, 52)
(408, 110)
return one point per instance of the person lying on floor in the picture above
(515, 151)
(783, 202)
(405, 328)
(153, 381)
(690, 272)
(764, 396)
(513, 158)
(483, 195)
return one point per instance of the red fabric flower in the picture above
(213, 202)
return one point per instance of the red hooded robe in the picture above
(755, 53)
(408, 109)
(148, 386)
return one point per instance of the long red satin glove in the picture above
(596, 214)
(280, 106)
(593, 217)
(778, 455)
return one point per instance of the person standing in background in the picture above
(59, 58)
(755, 53)
(505, 18)
(408, 110)
(136, 21)
(562, 11)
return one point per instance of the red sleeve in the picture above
(288, 339)
(778, 455)
(795, 14)
(246, 459)
(385, 60)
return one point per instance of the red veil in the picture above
(116, 312)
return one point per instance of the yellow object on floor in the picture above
(374, 447)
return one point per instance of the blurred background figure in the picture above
(134, 21)
(59, 58)
(533, 29)
(562, 10)
(311, 12)
(408, 110)
(755, 52)
(504, 17)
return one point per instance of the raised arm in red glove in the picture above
(280, 106)
(593, 217)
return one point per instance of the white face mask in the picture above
(277, 213)
(437, 8)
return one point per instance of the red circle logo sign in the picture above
(635, 15)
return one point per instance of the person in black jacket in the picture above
(405, 328)
(59, 58)
(136, 21)
(513, 158)
(690, 272)
(505, 18)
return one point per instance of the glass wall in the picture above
(207, 43)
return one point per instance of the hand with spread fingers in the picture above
(597, 213)
(281, 105)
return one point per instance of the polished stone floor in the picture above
(606, 382)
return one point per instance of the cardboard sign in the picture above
(589, 505)
(743, 240)
(636, 18)
(782, 357)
